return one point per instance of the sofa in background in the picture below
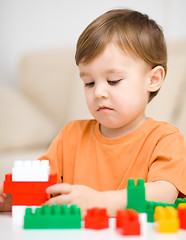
(49, 93)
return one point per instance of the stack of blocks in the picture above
(168, 217)
(151, 206)
(136, 201)
(27, 184)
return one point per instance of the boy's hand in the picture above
(83, 196)
(5, 200)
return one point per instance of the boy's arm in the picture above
(159, 191)
(85, 197)
(5, 200)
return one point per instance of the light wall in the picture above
(27, 25)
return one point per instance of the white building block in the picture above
(143, 223)
(18, 213)
(30, 171)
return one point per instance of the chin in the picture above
(110, 125)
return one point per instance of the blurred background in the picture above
(40, 89)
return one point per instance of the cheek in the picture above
(130, 98)
(89, 99)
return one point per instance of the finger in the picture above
(2, 199)
(59, 188)
(61, 199)
(1, 187)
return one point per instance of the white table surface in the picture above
(9, 231)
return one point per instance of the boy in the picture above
(122, 61)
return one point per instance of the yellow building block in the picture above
(167, 219)
(159, 213)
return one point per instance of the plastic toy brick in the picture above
(143, 223)
(182, 215)
(96, 218)
(18, 213)
(53, 217)
(159, 213)
(120, 217)
(30, 171)
(127, 222)
(150, 209)
(180, 200)
(29, 199)
(136, 195)
(28, 193)
(27, 187)
(167, 219)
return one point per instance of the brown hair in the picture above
(131, 30)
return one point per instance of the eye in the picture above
(114, 82)
(89, 84)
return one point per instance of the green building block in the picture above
(136, 195)
(150, 208)
(53, 217)
(180, 200)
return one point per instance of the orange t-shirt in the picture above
(80, 154)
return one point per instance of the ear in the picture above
(156, 78)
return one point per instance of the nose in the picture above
(101, 91)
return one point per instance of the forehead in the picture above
(112, 60)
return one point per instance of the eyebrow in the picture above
(115, 70)
(112, 70)
(83, 74)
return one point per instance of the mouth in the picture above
(104, 108)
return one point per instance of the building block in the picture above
(182, 215)
(96, 218)
(179, 200)
(136, 195)
(159, 213)
(30, 171)
(167, 219)
(53, 217)
(28, 193)
(150, 209)
(127, 222)
(18, 213)
(143, 223)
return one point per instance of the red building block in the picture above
(96, 218)
(182, 215)
(127, 222)
(28, 193)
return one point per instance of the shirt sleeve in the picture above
(168, 161)
(55, 156)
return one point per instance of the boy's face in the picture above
(116, 89)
